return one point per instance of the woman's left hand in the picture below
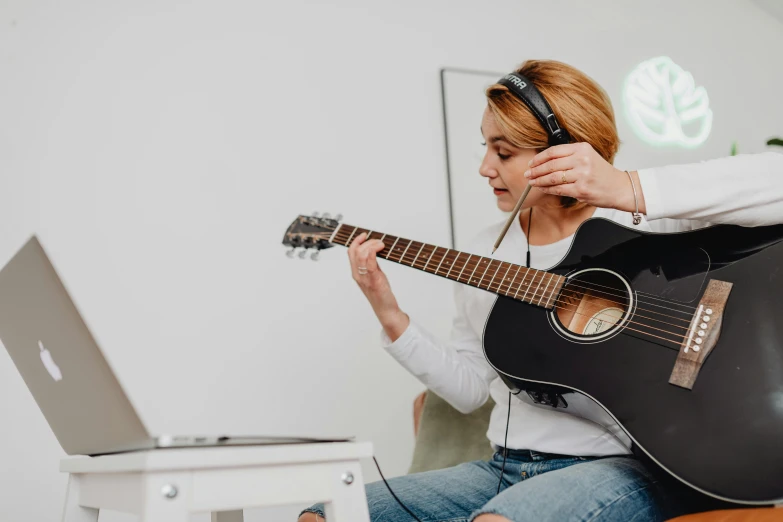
(578, 171)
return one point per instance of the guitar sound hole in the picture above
(593, 304)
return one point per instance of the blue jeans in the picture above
(536, 487)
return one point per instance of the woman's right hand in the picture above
(375, 285)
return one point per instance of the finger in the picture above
(550, 166)
(555, 178)
(558, 151)
(378, 245)
(568, 189)
(355, 244)
(366, 255)
(357, 241)
(352, 248)
(365, 264)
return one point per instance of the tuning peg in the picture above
(290, 253)
(314, 256)
(326, 215)
(315, 214)
(338, 217)
(303, 253)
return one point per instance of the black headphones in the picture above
(532, 97)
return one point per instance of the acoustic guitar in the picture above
(678, 336)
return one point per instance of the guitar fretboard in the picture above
(537, 287)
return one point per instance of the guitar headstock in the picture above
(310, 232)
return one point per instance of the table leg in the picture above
(349, 500)
(73, 512)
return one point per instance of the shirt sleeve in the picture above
(742, 190)
(455, 370)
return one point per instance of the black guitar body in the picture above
(725, 435)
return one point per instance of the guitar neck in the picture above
(537, 287)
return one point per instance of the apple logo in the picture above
(49, 364)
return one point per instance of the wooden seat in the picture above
(735, 515)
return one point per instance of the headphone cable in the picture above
(392, 492)
(508, 415)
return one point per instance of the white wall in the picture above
(160, 149)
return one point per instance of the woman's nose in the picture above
(485, 169)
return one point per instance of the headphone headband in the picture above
(532, 97)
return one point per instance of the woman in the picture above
(559, 466)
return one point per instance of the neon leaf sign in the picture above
(664, 106)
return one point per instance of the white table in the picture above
(167, 485)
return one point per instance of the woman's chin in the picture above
(504, 205)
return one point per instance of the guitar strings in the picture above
(423, 265)
(651, 296)
(471, 265)
(597, 285)
(582, 285)
(543, 294)
(676, 342)
(575, 308)
(566, 306)
(474, 266)
(575, 284)
(559, 299)
(572, 282)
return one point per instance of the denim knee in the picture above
(318, 509)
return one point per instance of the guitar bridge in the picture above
(703, 333)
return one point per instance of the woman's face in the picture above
(504, 166)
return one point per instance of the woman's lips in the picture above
(498, 192)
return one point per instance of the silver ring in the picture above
(362, 270)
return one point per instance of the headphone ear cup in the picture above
(559, 137)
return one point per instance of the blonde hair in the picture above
(582, 107)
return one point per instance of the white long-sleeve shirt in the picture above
(743, 190)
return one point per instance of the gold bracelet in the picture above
(637, 218)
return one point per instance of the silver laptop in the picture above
(66, 372)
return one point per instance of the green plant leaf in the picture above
(734, 148)
(776, 141)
